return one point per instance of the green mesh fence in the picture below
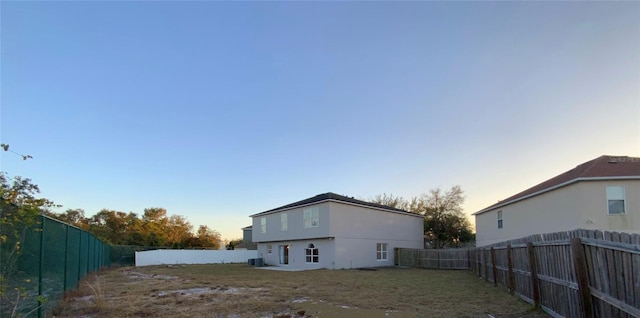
(84, 246)
(40, 262)
(125, 255)
(72, 257)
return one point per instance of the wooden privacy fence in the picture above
(433, 259)
(580, 273)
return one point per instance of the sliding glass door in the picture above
(283, 251)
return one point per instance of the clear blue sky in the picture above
(218, 110)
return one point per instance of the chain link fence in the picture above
(40, 262)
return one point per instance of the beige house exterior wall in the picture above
(358, 230)
(297, 253)
(578, 205)
(295, 225)
(346, 237)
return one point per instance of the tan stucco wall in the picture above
(579, 205)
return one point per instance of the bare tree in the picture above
(444, 221)
(391, 200)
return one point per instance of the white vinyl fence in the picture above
(163, 257)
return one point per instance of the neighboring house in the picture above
(247, 234)
(333, 231)
(603, 193)
(247, 240)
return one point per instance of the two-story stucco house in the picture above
(603, 194)
(334, 231)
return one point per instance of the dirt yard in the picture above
(237, 290)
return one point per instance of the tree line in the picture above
(154, 227)
(445, 224)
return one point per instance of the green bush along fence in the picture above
(579, 273)
(52, 257)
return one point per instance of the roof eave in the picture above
(298, 239)
(286, 209)
(336, 201)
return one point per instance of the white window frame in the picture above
(311, 217)
(263, 224)
(312, 255)
(269, 249)
(500, 220)
(283, 222)
(616, 193)
(382, 252)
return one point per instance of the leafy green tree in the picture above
(208, 238)
(134, 234)
(110, 226)
(20, 213)
(178, 231)
(154, 228)
(74, 217)
(154, 224)
(231, 245)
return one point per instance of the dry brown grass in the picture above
(243, 291)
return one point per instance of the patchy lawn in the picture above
(239, 290)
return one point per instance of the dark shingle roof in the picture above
(331, 196)
(602, 167)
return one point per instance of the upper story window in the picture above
(311, 253)
(311, 217)
(263, 224)
(500, 222)
(615, 200)
(381, 251)
(283, 222)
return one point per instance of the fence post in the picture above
(486, 266)
(438, 257)
(468, 259)
(79, 257)
(412, 258)
(95, 254)
(41, 269)
(512, 276)
(534, 275)
(495, 269)
(66, 255)
(579, 263)
(478, 268)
